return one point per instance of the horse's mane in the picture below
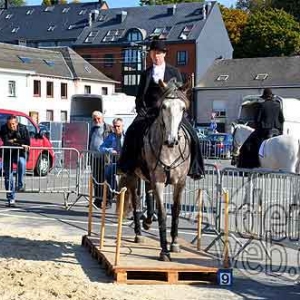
(173, 90)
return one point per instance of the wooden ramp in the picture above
(139, 263)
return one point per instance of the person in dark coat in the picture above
(14, 134)
(269, 120)
(268, 123)
(147, 106)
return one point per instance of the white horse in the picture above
(280, 153)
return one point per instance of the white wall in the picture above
(25, 100)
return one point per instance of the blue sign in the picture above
(224, 277)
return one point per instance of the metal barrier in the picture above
(42, 174)
(263, 205)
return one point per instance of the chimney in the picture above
(90, 19)
(121, 16)
(171, 10)
(204, 11)
(95, 14)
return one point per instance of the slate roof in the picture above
(59, 62)
(34, 27)
(271, 71)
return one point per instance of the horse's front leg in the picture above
(150, 206)
(178, 189)
(162, 222)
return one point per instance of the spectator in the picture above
(112, 145)
(14, 134)
(98, 133)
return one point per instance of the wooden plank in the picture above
(139, 263)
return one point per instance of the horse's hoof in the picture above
(146, 225)
(165, 256)
(175, 248)
(139, 239)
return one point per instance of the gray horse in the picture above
(166, 159)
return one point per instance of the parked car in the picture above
(218, 145)
(40, 161)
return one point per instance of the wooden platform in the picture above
(139, 263)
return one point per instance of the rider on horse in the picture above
(147, 106)
(268, 123)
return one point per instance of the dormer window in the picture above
(186, 31)
(51, 28)
(91, 36)
(49, 8)
(222, 77)
(261, 76)
(113, 35)
(29, 12)
(161, 32)
(82, 12)
(65, 10)
(15, 29)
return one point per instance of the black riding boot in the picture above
(197, 165)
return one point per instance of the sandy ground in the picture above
(49, 264)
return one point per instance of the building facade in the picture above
(41, 82)
(221, 90)
(115, 40)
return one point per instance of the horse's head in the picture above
(174, 104)
(240, 132)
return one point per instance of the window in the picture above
(108, 60)
(222, 77)
(186, 31)
(8, 16)
(49, 115)
(63, 116)
(25, 59)
(30, 127)
(113, 35)
(49, 89)
(161, 32)
(182, 58)
(51, 28)
(65, 10)
(15, 29)
(131, 79)
(261, 76)
(91, 36)
(30, 12)
(64, 90)
(34, 115)
(49, 8)
(104, 91)
(87, 89)
(50, 63)
(37, 88)
(11, 88)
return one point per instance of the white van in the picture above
(290, 108)
(117, 105)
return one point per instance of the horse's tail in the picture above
(297, 169)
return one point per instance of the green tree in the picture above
(253, 5)
(160, 2)
(12, 3)
(270, 32)
(47, 2)
(235, 21)
(290, 6)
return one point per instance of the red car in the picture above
(40, 161)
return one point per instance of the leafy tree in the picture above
(235, 21)
(253, 5)
(290, 6)
(160, 2)
(47, 2)
(12, 3)
(270, 32)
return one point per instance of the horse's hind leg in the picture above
(178, 189)
(136, 214)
